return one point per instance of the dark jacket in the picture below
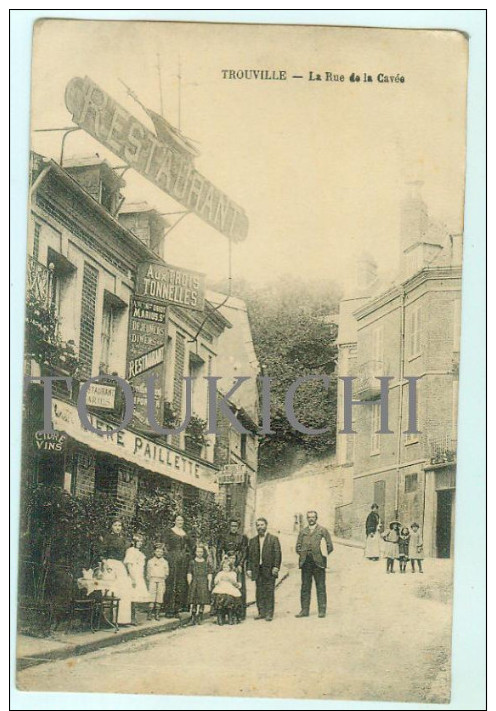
(309, 542)
(372, 523)
(114, 545)
(271, 554)
(233, 543)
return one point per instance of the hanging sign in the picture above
(171, 285)
(145, 354)
(159, 161)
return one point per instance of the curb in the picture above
(121, 636)
(127, 635)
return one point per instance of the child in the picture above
(403, 548)
(200, 581)
(134, 560)
(157, 570)
(391, 548)
(416, 547)
(226, 595)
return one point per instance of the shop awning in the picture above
(135, 448)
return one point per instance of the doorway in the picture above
(444, 522)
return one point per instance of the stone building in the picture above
(410, 328)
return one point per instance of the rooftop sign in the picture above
(160, 162)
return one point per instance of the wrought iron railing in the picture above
(442, 449)
(39, 281)
(367, 386)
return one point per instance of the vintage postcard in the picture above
(242, 348)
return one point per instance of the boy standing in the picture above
(157, 571)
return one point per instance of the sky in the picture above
(320, 168)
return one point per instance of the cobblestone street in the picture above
(384, 637)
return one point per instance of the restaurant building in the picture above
(408, 328)
(86, 317)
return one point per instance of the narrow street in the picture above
(384, 638)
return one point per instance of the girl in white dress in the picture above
(226, 595)
(134, 560)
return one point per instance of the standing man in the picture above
(235, 545)
(264, 563)
(313, 546)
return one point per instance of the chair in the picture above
(107, 609)
(86, 608)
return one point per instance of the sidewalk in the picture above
(32, 651)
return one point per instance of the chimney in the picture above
(366, 272)
(414, 216)
(146, 223)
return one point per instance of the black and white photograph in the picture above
(241, 360)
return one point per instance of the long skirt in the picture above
(122, 588)
(224, 603)
(176, 593)
(139, 591)
(373, 546)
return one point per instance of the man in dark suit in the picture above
(313, 546)
(264, 563)
(234, 545)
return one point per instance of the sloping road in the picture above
(386, 637)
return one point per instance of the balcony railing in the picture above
(367, 386)
(442, 450)
(39, 281)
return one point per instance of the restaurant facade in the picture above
(88, 315)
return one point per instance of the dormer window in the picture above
(98, 178)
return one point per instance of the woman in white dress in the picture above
(134, 560)
(372, 531)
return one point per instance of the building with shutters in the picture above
(84, 245)
(408, 328)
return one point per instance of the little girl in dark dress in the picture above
(200, 581)
(403, 545)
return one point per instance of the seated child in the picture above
(226, 595)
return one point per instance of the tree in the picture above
(293, 336)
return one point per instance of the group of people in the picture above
(178, 577)
(181, 577)
(401, 543)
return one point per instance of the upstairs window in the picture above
(414, 331)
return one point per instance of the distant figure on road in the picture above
(313, 546)
(416, 547)
(264, 563)
(391, 549)
(372, 537)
